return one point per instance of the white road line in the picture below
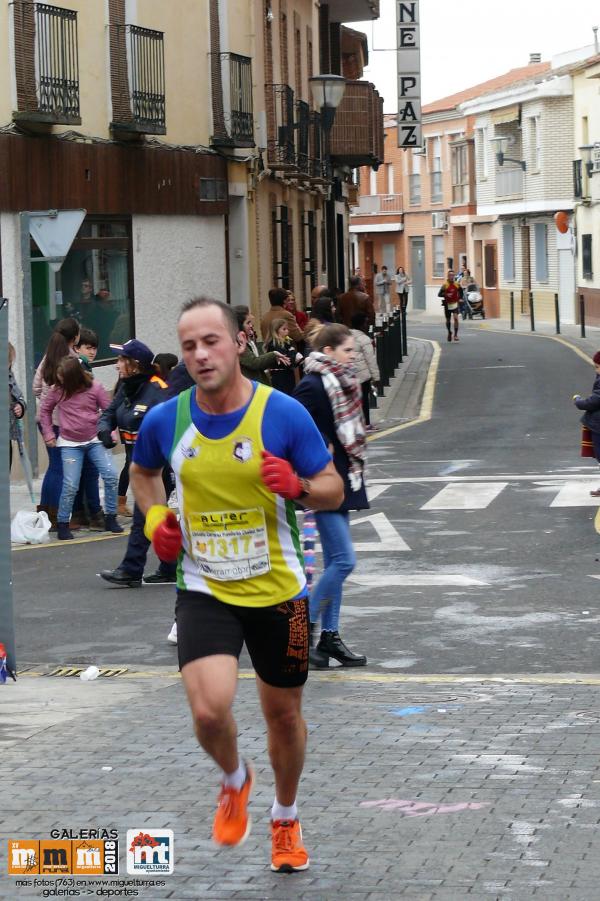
(416, 580)
(506, 477)
(376, 491)
(577, 494)
(470, 496)
(389, 538)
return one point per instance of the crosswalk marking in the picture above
(577, 494)
(416, 580)
(389, 537)
(469, 496)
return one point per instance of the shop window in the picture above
(93, 285)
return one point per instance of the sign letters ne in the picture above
(409, 73)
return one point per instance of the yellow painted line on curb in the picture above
(580, 353)
(426, 410)
(371, 678)
(597, 521)
(87, 540)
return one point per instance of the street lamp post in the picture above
(327, 91)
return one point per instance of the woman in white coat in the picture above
(367, 371)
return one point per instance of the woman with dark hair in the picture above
(322, 313)
(61, 344)
(331, 394)
(254, 363)
(79, 401)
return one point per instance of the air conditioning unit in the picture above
(439, 220)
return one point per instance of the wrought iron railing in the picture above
(302, 129)
(147, 76)
(241, 127)
(57, 62)
(319, 164)
(281, 149)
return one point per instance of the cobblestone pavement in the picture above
(412, 789)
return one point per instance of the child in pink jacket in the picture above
(79, 401)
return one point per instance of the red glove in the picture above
(163, 531)
(279, 477)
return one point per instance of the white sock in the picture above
(237, 778)
(280, 812)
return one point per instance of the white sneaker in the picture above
(172, 636)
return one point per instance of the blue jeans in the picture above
(72, 461)
(339, 559)
(89, 489)
(52, 484)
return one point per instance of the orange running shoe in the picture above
(232, 823)
(288, 854)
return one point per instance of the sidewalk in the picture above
(434, 788)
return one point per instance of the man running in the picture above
(241, 453)
(451, 294)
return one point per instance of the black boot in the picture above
(121, 578)
(111, 524)
(332, 644)
(64, 533)
(317, 657)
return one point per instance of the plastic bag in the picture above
(30, 528)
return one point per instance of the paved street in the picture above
(461, 763)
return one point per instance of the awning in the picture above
(506, 114)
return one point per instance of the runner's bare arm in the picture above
(147, 486)
(324, 491)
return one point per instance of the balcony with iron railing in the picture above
(357, 134)
(233, 118)
(49, 77)
(281, 144)
(143, 109)
(379, 204)
(509, 182)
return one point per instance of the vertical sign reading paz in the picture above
(409, 73)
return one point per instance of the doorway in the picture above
(566, 286)
(490, 279)
(417, 272)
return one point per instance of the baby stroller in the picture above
(472, 302)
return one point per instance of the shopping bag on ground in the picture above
(30, 528)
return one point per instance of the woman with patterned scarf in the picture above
(331, 394)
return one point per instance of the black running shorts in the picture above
(276, 637)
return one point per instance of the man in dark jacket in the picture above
(354, 301)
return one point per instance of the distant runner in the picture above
(451, 294)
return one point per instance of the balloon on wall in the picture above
(561, 220)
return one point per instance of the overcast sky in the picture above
(464, 42)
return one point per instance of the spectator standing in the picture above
(322, 313)
(355, 300)
(137, 393)
(382, 289)
(402, 284)
(79, 400)
(16, 401)
(254, 363)
(591, 413)
(331, 394)
(367, 370)
(61, 344)
(277, 299)
(299, 315)
(283, 376)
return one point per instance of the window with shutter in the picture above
(541, 252)
(508, 252)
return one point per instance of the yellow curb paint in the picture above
(597, 521)
(370, 678)
(426, 410)
(36, 547)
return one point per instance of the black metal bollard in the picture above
(386, 353)
(582, 314)
(404, 338)
(557, 314)
(380, 359)
(512, 310)
(531, 311)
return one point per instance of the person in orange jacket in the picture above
(451, 294)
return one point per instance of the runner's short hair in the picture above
(229, 315)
